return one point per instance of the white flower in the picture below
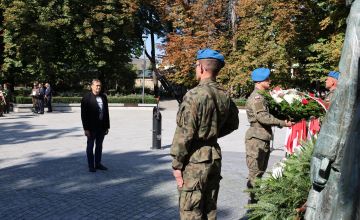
(291, 97)
(277, 95)
(277, 172)
(278, 169)
(288, 95)
(277, 98)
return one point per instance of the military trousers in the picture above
(198, 196)
(257, 158)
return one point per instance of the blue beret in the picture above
(260, 74)
(210, 54)
(334, 74)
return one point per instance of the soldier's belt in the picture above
(209, 142)
(256, 125)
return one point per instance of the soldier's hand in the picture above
(87, 133)
(178, 177)
(288, 123)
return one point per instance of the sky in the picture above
(148, 45)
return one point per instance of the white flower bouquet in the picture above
(293, 105)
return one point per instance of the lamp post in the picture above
(144, 37)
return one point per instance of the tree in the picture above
(324, 53)
(293, 38)
(69, 41)
(150, 20)
(195, 25)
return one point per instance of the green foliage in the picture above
(23, 100)
(28, 100)
(240, 102)
(325, 56)
(66, 99)
(299, 40)
(131, 99)
(279, 197)
(111, 99)
(22, 92)
(65, 42)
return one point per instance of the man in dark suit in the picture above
(41, 99)
(96, 123)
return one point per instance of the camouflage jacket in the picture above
(328, 98)
(199, 124)
(259, 117)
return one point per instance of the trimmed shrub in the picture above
(131, 99)
(22, 92)
(57, 99)
(23, 100)
(111, 99)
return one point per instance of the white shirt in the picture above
(101, 107)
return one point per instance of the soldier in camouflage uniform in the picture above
(206, 114)
(330, 84)
(258, 136)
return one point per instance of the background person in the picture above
(206, 114)
(96, 123)
(8, 97)
(259, 134)
(41, 99)
(330, 84)
(48, 97)
(34, 97)
(2, 102)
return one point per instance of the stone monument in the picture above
(335, 166)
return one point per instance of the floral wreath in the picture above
(294, 105)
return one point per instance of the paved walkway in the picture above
(44, 175)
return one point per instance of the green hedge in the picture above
(131, 99)
(111, 99)
(58, 99)
(22, 92)
(23, 100)
(240, 102)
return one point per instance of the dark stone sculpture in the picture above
(348, 2)
(335, 166)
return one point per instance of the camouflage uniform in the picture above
(328, 98)
(258, 136)
(195, 150)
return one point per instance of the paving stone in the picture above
(44, 175)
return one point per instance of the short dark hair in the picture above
(212, 65)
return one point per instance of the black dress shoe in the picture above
(92, 169)
(101, 167)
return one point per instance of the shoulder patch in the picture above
(259, 107)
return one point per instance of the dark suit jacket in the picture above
(90, 112)
(48, 92)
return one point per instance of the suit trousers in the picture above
(40, 103)
(48, 104)
(97, 138)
